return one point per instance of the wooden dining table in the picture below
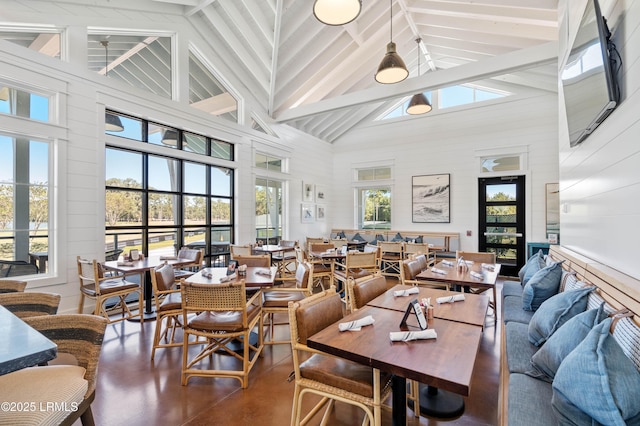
(272, 249)
(21, 345)
(446, 362)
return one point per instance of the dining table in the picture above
(272, 249)
(21, 345)
(446, 362)
(143, 267)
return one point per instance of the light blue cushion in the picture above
(556, 311)
(546, 361)
(598, 379)
(398, 238)
(537, 261)
(341, 235)
(358, 237)
(544, 284)
(378, 237)
(419, 240)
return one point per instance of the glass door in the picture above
(502, 221)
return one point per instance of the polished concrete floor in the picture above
(134, 390)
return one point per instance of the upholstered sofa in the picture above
(571, 353)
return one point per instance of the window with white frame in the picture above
(373, 197)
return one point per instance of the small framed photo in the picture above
(321, 194)
(307, 213)
(233, 266)
(134, 254)
(320, 212)
(308, 192)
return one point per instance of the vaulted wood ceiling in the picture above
(320, 79)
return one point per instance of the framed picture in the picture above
(320, 212)
(321, 194)
(307, 213)
(308, 192)
(430, 195)
(231, 268)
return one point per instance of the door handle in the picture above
(503, 234)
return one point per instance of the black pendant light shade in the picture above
(419, 103)
(392, 68)
(112, 123)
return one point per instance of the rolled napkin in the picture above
(438, 271)
(264, 272)
(168, 257)
(477, 275)
(447, 263)
(488, 266)
(226, 278)
(407, 292)
(406, 336)
(124, 263)
(357, 324)
(450, 299)
(207, 273)
(468, 262)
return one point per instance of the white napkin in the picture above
(450, 299)
(477, 275)
(488, 267)
(124, 263)
(263, 272)
(207, 274)
(226, 278)
(447, 263)
(406, 336)
(357, 324)
(407, 292)
(430, 245)
(468, 262)
(438, 271)
(168, 257)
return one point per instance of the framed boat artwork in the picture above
(430, 195)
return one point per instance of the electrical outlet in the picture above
(468, 233)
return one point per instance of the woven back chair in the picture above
(258, 260)
(275, 301)
(357, 265)
(195, 257)
(322, 268)
(331, 378)
(286, 261)
(240, 250)
(168, 303)
(11, 286)
(63, 385)
(221, 314)
(108, 292)
(31, 304)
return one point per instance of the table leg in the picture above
(399, 400)
(438, 403)
(149, 313)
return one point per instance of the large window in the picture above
(373, 197)
(268, 210)
(157, 203)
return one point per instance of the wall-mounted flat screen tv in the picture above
(588, 79)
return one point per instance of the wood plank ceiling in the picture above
(319, 78)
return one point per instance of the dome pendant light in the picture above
(419, 103)
(336, 12)
(392, 68)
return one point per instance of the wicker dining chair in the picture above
(331, 378)
(257, 260)
(168, 303)
(357, 265)
(63, 385)
(286, 261)
(95, 285)
(11, 286)
(364, 290)
(186, 270)
(220, 314)
(30, 304)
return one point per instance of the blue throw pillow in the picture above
(398, 238)
(341, 235)
(419, 240)
(358, 237)
(546, 361)
(555, 311)
(533, 265)
(544, 284)
(597, 379)
(378, 237)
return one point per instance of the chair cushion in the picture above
(112, 286)
(368, 290)
(341, 373)
(544, 284)
(512, 310)
(411, 268)
(172, 302)
(355, 273)
(556, 311)
(320, 268)
(527, 400)
(165, 277)
(518, 348)
(546, 361)
(63, 385)
(280, 299)
(511, 288)
(229, 321)
(597, 379)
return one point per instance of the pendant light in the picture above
(336, 12)
(112, 123)
(392, 68)
(419, 103)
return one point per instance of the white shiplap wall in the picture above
(451, 142)
(600, 178)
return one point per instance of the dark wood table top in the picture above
(462, 278)
(255, 276)
(446, 362)
(21, 345)
(472, 310)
